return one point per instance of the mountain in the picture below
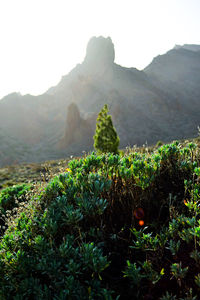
(178, 72)
(191, 47)
(159, 103)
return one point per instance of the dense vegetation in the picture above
(31, 173)
(109, 227)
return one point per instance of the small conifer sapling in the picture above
(105, 138)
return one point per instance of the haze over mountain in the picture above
(159, 103)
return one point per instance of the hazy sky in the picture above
(41, 40)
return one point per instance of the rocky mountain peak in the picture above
(162, 102)
(190, 47)
(100, 51)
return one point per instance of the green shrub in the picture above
(159, 144)
(10, 195)
(110, 226)
(105, 138)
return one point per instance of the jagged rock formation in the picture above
(77, 129)
(100, 54)
(159, 103)
(100, 50)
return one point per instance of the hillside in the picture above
(159, 103)
(105, 227)
(178, 72)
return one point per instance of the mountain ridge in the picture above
(157, 103)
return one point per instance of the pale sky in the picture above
(41, 40)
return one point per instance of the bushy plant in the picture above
(9, 195)
(110, 226)
(105, 138)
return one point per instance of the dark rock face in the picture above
(159, 103)
(77, 129)
(73, 118)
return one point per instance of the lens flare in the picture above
(138, 213)
(141, 222)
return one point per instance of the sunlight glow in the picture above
(41, 40)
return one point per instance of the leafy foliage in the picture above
(80, 236)
(105, 138)
(9, 195)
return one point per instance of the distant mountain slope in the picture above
(159, 103)
(178, 72)
(191, 47)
